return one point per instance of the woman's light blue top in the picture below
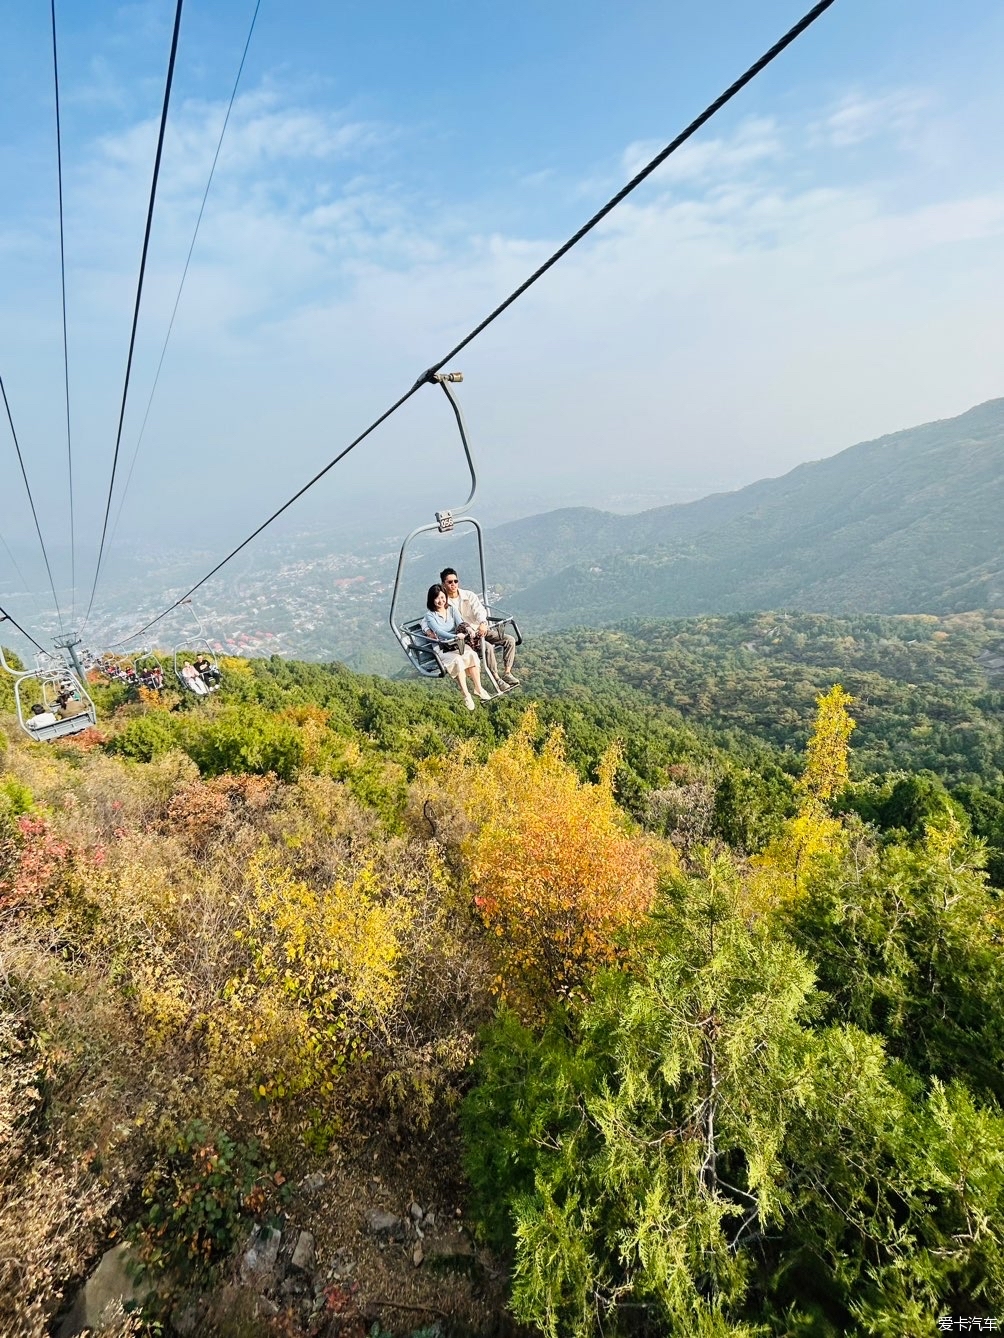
(443, 624)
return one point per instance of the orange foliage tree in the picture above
(554, 871)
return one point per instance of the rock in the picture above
(448, 1248)
(429, 1220)
(106, 1294)
(186, 1319)
(265, 1308)
(304, 1253)
(262, 1252)
(417, 1254)
(416, 1212)
(310, 1184)
(381, 1223)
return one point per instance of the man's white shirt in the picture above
(469, 606)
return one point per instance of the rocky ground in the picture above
(374, 1243)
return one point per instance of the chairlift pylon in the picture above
(422, 652)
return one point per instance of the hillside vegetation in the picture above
(907, 523)
(929, 691)
(699, 1034)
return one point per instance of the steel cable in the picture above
(139, 295)
(188, 261)
(31, 503)
(66, 360)
(6, 617)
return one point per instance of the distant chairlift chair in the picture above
(47, 726)
(194, 682)
(425, 654)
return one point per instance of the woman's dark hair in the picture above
(430, 599)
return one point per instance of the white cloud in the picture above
(738, 314)
(857, 117)
(700, 159)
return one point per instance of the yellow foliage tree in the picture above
(780, 872)
(825, 773)
(553, 869)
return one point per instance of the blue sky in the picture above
(822, 264)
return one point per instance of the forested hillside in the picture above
(929, 691)
(910, 523)
(628, 1022)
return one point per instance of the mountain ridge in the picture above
(908, 522)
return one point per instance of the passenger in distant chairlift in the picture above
(192, 679)
(207, 670)
(40, 717)
(469, 608)
(442, 623)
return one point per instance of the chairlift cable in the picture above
(184, 275)
(6, 617)
(429, 375)
(31, 502)
(139, 295)
(66, 361)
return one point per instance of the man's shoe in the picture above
(510, 679)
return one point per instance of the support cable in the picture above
(5, 617)
(66, 360)
(805, 22)
(139, 295)
(188, 261)
(31, 502)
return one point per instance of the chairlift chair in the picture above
(194, 682)
(56, 727)
(423, 653)
(146, 661)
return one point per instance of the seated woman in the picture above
(442, 623)
(192, 679)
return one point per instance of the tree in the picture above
(684, 1142)
(553, 870)
(780, 872)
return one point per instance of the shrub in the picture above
(554, 872)
(146, 737)
(245, 739)
(199, 1197)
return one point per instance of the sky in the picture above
(819, 265)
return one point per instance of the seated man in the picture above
(40, 716)
(207, 670)
(473, 612)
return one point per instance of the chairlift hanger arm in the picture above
(444, 379)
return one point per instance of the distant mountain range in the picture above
(910, 523)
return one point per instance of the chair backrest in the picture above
(419, 650)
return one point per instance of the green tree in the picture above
(686, 1144)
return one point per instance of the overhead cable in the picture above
(66, 361)
(31, 503)
(188, 261)
(806, 21)
(5, 617)
(139, 295)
